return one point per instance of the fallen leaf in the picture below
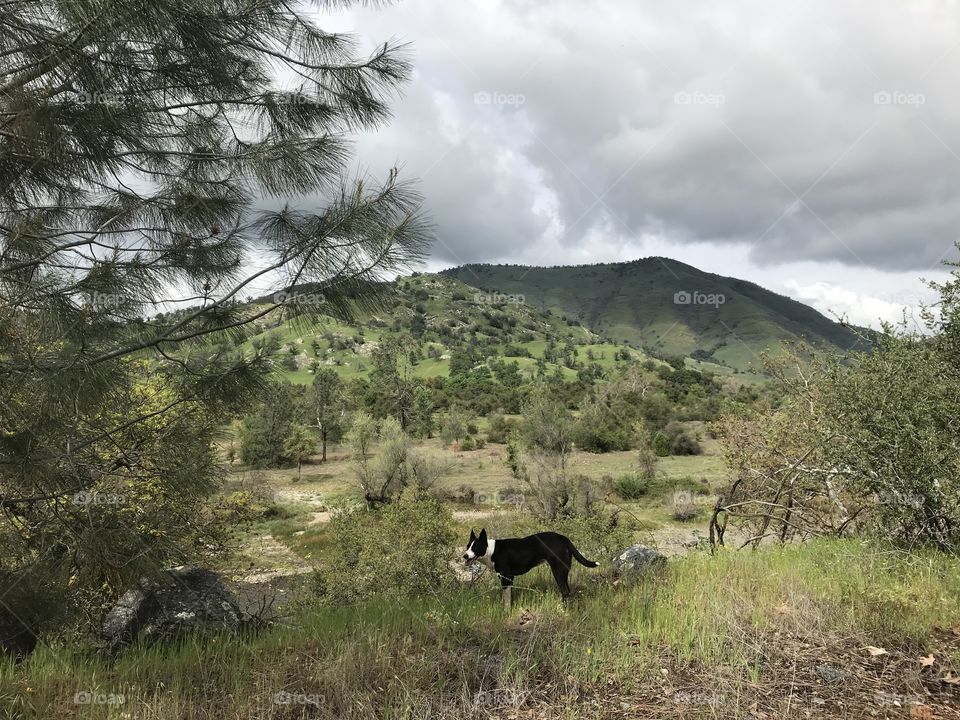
(951, 679)
(926, 661)
(875, 651)
(921, 712)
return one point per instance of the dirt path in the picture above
(274, 559)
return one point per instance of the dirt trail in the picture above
(274, 559)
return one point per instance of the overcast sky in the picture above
(813, 148)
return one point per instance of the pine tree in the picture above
(151, 155)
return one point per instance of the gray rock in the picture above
(181, 600)
(637, 558)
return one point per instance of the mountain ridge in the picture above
(668, 306)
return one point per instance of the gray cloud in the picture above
(823, 133)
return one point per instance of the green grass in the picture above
(734, 618)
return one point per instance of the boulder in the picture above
(181, 600)
(637, 558)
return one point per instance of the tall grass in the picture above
(443, 656)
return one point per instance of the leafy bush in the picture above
(597, 536)
(401, 550)
(501, 428)
(680, 441)
(661, 446)
(631, 487)
(396, 465)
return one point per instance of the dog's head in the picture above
(476, 548)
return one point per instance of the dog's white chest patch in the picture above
(487, 558)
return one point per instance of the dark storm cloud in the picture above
(826, 132)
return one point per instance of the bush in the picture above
(661, 446)
(249, 505)
(683, 508)
(680, 441)
(631, 487)
(468, 444)
(501, 428)
(402, 550)
(597, 536)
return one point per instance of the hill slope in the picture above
(666, 305)
(443, 316)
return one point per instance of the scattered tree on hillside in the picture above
(395, 466)
(299, 446)
(328, 405)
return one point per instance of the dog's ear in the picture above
(483, 535)
(472, 536)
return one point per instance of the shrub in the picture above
(661, 446)
(597, 536)
(681, 441)
(631, 487)
(683, 508)
(401, 550)
(468, 444)
(501, 428)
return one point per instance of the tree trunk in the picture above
(323, 458)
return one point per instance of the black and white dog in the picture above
(509, 557)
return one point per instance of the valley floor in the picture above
(831, 629)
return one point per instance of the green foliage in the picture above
(396, 464)
(298, 446)
(869, 442)
(327, 405)
(680, 441)
(120, 360)
(501, 428)
(661, 445)
(400, 551)
(612, 292)
(264, 432)
(632, 486)
(453, 425)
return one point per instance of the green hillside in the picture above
(725, 320)
(442, 315)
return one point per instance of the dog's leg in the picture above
(506, 589)
(560, 574)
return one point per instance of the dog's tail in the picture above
(581, 559)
